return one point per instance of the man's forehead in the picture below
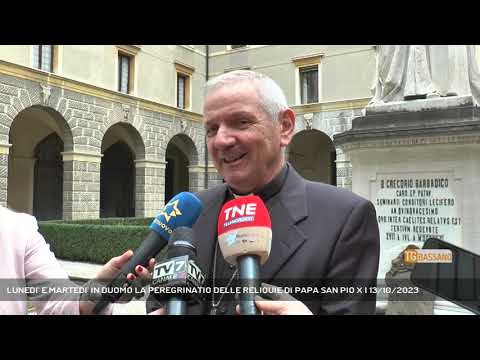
(232, 104)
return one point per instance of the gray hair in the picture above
(271, 97)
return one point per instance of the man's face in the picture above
(242, 139)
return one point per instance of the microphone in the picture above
(182, 210)
(178, 279)
(245, 238)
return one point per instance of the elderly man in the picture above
(320, 233)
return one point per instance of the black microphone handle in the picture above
(151, 246)
(249, 276)
(176, 306)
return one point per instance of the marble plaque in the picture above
(413, 207)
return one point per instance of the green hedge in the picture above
(106, 221)
(95, 241)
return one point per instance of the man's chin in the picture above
(240, 184)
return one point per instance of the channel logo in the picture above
(412, 256)
(171, 210)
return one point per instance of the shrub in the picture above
(95, 241)
(106, 221)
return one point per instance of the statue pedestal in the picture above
(419, 163)
(434, 104)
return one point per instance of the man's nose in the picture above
(224, 137)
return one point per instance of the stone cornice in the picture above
(184, 68)
(81, 156)
(331, 106)
(306, 60)
(129, 49)
(5, 149)
(150, 164)
(201, 169)
(446, 139)
(438, 126)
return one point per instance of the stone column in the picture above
(149, 187)
(214, 177)
(196, 176)
(4, 150)
(81, 185)
(344, 170)
(21, 183)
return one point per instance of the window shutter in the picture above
(309, 85)
(47, 57)
(36, 58)
(181, 92)
(124, 64)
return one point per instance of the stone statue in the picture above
(183, 124)
(126, 111)
(308, 119)
(46, 92)
(409, 72)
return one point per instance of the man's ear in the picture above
(287, 126)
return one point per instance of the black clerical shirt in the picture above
(223, 270)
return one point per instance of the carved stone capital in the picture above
(183, 124)
(46, 92)
(126, 111)
(308, 120)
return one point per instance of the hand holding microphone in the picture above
(181, 210)
(275, 301)
(109, 271)
(245, 238)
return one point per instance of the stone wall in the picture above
(81, 190)
(149, 188)
(3, 178)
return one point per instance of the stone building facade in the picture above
(83, 120)
(88, 116)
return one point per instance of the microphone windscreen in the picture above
(182, 210)
(244, 228)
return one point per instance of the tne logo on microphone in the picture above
(244, 211)
(238, 214)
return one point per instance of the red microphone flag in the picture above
(245, 228)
